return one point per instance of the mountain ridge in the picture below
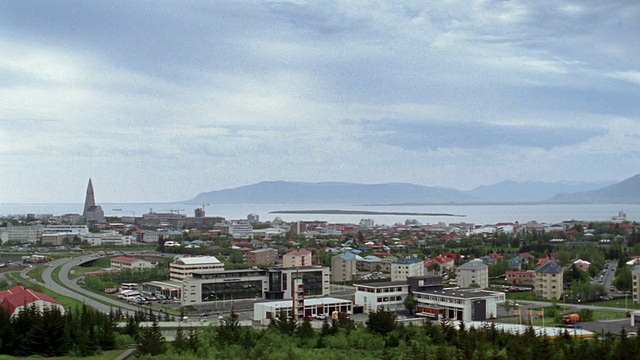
(336, 192)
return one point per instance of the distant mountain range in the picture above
(625, 192)
(286, 192)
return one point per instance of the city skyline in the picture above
(162, 101)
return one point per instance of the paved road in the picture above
(72, 289)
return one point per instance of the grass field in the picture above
(106, 355)
(67, 302)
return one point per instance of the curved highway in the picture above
(73, 290)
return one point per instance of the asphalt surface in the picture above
(73, 290)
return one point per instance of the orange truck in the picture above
(570, 318)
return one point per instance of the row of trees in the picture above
(80, 332)
(383, 338)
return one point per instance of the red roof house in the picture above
(19, 297)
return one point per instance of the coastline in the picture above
(361, 212)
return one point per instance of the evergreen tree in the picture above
(152, 342)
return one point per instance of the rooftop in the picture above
(465, 293)
(197, 260)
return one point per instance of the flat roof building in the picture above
(209, 287)
(183, 267)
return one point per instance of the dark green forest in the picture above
(84, 332)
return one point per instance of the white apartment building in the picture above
(473, 272)
(67, 229)
(241, 229)
(388, 296)
(108, 238)
(185, 266)
(23, 234)
(407, 267)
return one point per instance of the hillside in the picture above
(509, 191)
(283, 192)
(625, 192)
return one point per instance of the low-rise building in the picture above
(24, 234)
(406, 267)
(129, 263)
(110, 238)
(210, 287)
(463, 304)
(302, 257)
(264, 257)
(19, 297)
(183, 267)
(316, 308)
(520, 276)
(388, 296)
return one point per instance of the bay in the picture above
(476, 214)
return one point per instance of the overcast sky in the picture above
(159, 101)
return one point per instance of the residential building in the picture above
(302, 257)
(548, 284)
(520, 276)
(473, 272)
(262, 257)
(129, 263)
(635, 284)
(343, 267)
(185, 266)
(209, 287)
(406, 267)
(19, 297)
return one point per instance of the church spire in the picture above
(89, 199)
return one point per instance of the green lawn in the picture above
(36, 273)
(106, 355)
(618, 303)
(67, 302)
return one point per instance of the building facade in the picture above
(24, 234)
(549, 283)
(473, 272)
(209, 287)
(462, 304)
(388, 296)
(635, 284)
(92, 214)
(258, 257)
(185, 266)
(302, 257)
(129, 263)
(316, 308)
(343, 267)
(407, 267)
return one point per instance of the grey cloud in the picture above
(474, 135)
